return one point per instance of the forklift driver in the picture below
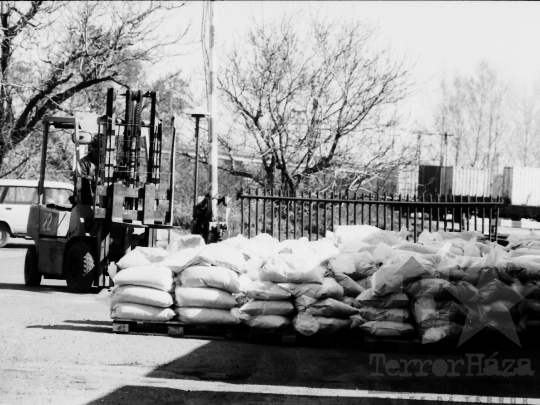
(88, 173)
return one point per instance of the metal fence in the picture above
(311, 214)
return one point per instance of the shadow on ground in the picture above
(98, 329)
(17, 245)
(137, 395)
(345, 368)
(46, 289)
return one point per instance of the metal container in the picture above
(449, 180)
(521, 186)
(407, 181)
(471, 182)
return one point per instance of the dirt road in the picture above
(57, 347)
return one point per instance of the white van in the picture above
(16, 196)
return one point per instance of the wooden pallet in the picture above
(391, 344)
(407, 345)
(233, 332)
(125, 326)
(176, 329)
(287, 336)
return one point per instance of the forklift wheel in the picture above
(79, 268)
(4, 234)
(31, 272)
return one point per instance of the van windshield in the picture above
(57, 196)
(28, 195)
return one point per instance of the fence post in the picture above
(249, 212)
(317, 214)
(384, 210)
(241, 211)
(256, 212)
(332, 213)
(265, 228)
(324, 215)
(272, 212)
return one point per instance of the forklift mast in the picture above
(132, 191)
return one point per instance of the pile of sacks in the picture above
(357, 277)
(289, 282)
(143, 287)
(206, 286)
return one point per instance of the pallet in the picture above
(287, 336)
(176, 329)
(390, 344)
(408, 345)
(232, 332)
(130, 326)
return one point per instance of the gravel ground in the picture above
(57, 347)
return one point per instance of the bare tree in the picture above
(313, 104)
(525, 129)
(473, 109)
(52, 52)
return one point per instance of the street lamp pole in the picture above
(196, 171)
(197, 113)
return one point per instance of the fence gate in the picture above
(309, 214)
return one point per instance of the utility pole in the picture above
(212, 108)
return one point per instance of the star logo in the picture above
(494, 307)
(491, 304)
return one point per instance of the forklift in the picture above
(131, 198)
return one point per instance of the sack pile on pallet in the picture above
(360, 277)
(143, 287)
(205, 287)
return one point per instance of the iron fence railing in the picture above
(288, 216)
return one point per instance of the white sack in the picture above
(142, 295)
(138, 312)
(307, 324)
(292, 268)
(179, 260)
(265, 321)
(252, 268)
(206, 316)
(142, 256)
(332, 308)
(355, 265)
(395, 300)
(395, 276)
(328, 289)
(350, 287)
(258, 308)
(381, 314)
(204, 298)
(324, 249)
(265, 290)
(386, 328)
(210, 276)
(218, 254)
(185, 242)
(153, 276)
(388, 237)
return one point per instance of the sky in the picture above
(439, 38)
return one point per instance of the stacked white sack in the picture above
(385, 304)
(182, 250)
(300, 273)
(143, 287)
(352, 238)
(205, 287)
(268, 306)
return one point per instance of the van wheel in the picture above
(32, 277)
(4, 234)
(79, 268)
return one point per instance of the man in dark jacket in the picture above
(88, 173)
